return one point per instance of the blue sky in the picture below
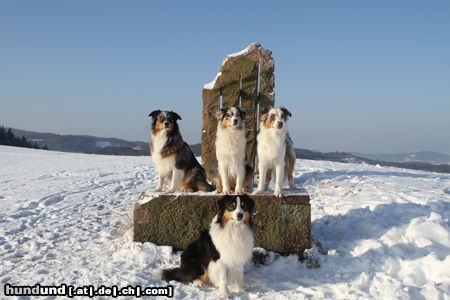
(368, 76)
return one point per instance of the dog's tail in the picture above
(181, 274)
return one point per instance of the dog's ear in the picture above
(175, 115)
(264, 112)
(248, 202)
(286, 112)
(154, 113)
(221, 207)
(220, 113)
(243, 113)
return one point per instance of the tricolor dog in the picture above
(218, 255)
(172, 157)
(234, 173)
(275, 149)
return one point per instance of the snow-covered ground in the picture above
(67, 218)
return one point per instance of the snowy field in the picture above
(67, 218)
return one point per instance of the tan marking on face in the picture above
(247, 217)
(275, 118)
(229, 117)
(159, 126)
(159, 123)
(226, 122)
(227, 216)
(268, 123)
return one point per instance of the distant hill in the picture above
(422, 156)
(80, 143)
(114, 146)
(8, 138)
(351, 158)
(346, 157)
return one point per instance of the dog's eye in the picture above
(232, 206)
(244, 207)
(272, 117)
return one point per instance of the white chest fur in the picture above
(230, 147)
(271, 145)
(163, 165)
(233, 241)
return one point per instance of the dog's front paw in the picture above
(226, 192)
(292, 186)
(258, 192)
(223, 293)
(277, 193)
(238, 192)
(198, 283)
(238, 289)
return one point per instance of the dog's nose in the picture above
(240, 216)
(235, 121)
(280, 124)
(166, 124)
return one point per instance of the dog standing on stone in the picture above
(218, 255)
(275, 150)
(173, 158)
(234, 173)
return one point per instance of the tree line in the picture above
(8, 138)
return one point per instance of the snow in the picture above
(67, 218)
(211, 84)
(243, 51)
(100, 144)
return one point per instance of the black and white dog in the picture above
(172, 156)
(219, 254)
(234, 173)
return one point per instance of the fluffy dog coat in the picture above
(218, 255)
(275, 149)
(172, 157)
(230, 151)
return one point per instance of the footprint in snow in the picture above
(22, 214)
(50, 200)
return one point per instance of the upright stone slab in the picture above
(246, 79)
(280, 224)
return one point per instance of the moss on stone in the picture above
(280, 225)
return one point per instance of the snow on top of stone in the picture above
(243, 51)
(211, 84)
